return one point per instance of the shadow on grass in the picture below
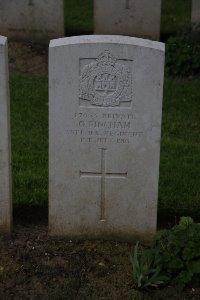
(38, 215)
(25, 214)
(76, 32)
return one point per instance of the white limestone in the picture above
(196, 12)
(5, 164)
(105, 103)
(139, 18)
(37, 20)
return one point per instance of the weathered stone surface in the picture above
(37, 20)
(196, 12)
(5, 164)
(104, 132)
(139, 18)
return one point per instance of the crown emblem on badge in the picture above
(106, 59)
(106, 82)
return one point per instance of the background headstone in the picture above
(104, 132)
(139, 18)
(5, 157)
(196, 12)
(37, 20)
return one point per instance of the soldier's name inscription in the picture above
(105, 128)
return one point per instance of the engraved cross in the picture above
(103, 175)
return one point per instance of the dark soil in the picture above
(36, 266)
(28, 58)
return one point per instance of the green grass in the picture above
(29, 119)
(176, 15)
(179, 188)
(78, 17)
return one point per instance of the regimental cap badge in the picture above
(106, 82)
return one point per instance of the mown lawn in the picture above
(29, 128)
(179, 188)
(78, 17)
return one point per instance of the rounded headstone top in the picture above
(107, 39)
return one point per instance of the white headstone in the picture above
(37, 20)
(196, 12)
(139, 18)
(5, 164)
(104, 133)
